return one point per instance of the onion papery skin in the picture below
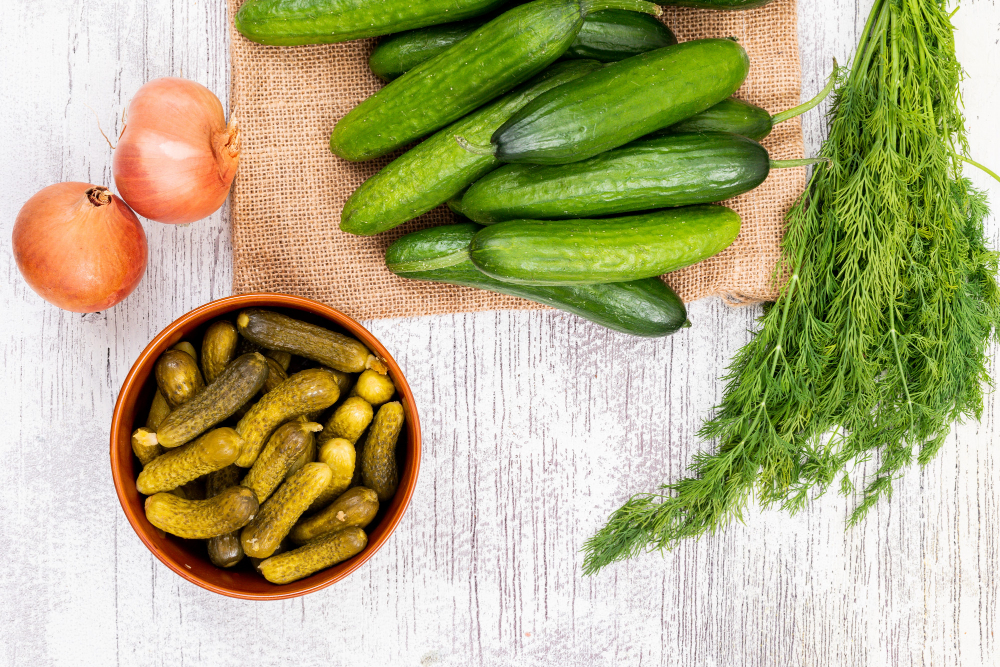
(176, 159)
(79, 247)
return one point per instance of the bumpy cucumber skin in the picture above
(349, 420)
(374, 387)
(279, 513)
(294, 22)
(178, 377)
(303, 392)
(218, 348)
(280, 453)
(341, 456)
(202, 519)
(607, 36)
(730, 115)
(397, 54)
(313, 557)
(491, 61)
(647, 307)
(213, 451)
(675, 170)
(437, 169)
(615, 34)
(716, 4)
(223, 550)
(378, 456)
(355, 507)
(623, 101)
(236, 385)
(280, 332)
(568, 252)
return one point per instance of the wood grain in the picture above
(536, 425)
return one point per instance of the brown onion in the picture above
(176, 158)
(79, 247)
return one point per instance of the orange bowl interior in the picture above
(187, 557)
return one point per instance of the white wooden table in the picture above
(536, 426)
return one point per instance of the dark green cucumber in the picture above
(675, 170)
(438, 168)
(715, 4)
(645, 307)
(622, 102)
(293, 22)
(732, 115)
(614, 35)
(606, 36)
(575, 252)
(501, 54)
(743, 118)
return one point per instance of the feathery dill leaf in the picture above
(878, 340)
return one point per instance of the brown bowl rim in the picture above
(407, 483)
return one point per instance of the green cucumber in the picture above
(438, 168)
(581, 252)
(675, 170)
(622, 102)
(743, 118)
(645, 307)
(731, 115)
(294, 22)
(606, 36)
(715, 4)
(501, 54)
(614, 35)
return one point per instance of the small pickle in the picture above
(355, 507)
(374, 388)
(178, 377)
(275, 376)
(280, 332)
(339, 454)
(185, 346)
(201, 519)
(303, 392)
(144, 445)
(308, 454)
(212, 451)
(282, 451)
(276, 517)
(284, 359)
(218, 348)
(349, 420)
(378, 456)
(158, 411)
(224, 550)
(236, 385)
(313, 557)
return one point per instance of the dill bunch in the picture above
(878, 340)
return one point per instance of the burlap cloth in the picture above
(290, 188)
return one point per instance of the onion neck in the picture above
(232, 138)
(99, 196)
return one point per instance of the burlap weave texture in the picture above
(290, 188)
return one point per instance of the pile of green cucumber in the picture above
(584, 143)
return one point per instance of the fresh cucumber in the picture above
(501, 54)
(575, 252)
(645, 307)
(731, 115)
(293, 22)
(674, 170)
(438, 168)
(743, 118)
(622, 102)
(606, 36)
(715, 4)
